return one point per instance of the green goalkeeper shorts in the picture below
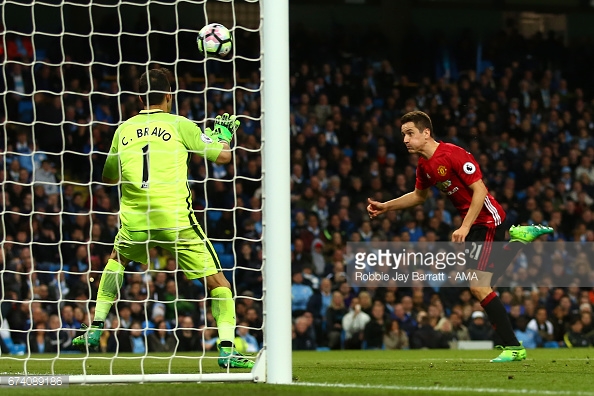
(192, 251)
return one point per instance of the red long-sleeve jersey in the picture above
(452, 169)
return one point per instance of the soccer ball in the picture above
(214, 39)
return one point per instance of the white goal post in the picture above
(277, 204)
(274, 362)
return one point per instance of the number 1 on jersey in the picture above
(145, 167)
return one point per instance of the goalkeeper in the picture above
(148, 157)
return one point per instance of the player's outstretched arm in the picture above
(414, 198)
(225, 155)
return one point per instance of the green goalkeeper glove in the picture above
(224, 127)
(213, 136)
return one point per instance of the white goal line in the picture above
(446, 389)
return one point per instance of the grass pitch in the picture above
(422, 372)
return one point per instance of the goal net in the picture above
(70, 72)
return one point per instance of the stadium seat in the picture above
(198, 283)
(227, 260)
(213, 216)
(219, 247)
(229, 276)
(40, 54)
(25, 110)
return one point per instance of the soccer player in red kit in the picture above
(456, 173)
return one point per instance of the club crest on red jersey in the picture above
(442, 170)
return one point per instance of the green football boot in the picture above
(90, 338)
(510, 354)
(527, 234)
(228, 358)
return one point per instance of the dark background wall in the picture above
(395, 16)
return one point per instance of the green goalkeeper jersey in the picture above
(150, 152)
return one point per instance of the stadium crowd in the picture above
(526, 116)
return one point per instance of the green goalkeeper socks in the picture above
(111, 282)
(223, 310)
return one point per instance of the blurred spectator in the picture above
(460, 332)
(575, 337)
(478, 329)
(366, 302)
(353, 324)
(69, 325)
(162, 339)
(125, 316)
(586, 318)
(255, 323)
(133, 340)
(334, 315)
(209, 338)
(528, 337)
(19, 82)
(46, 177)
(542, 325)
(18, 318)
(38, 340)
(250, 342)
(426, 337)
(175, 302)
(395, 337)
(444, 327)
(189, 339)
(373, 333)
(302, 337)
(56, 340)
(318, 305)
(300, 258)
(560, 322)
(248, 273)
(407, 322)
(300, 295)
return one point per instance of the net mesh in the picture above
(70, 71)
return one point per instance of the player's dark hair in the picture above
(153, 86)
(420, 119)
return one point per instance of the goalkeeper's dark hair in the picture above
(153, 86)
(421, 120)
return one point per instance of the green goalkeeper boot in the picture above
(527, 234)
(510, 354)
(90, 339)
(228, 358)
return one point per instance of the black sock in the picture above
(509, 251)
(499, 319)
(226, 344)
